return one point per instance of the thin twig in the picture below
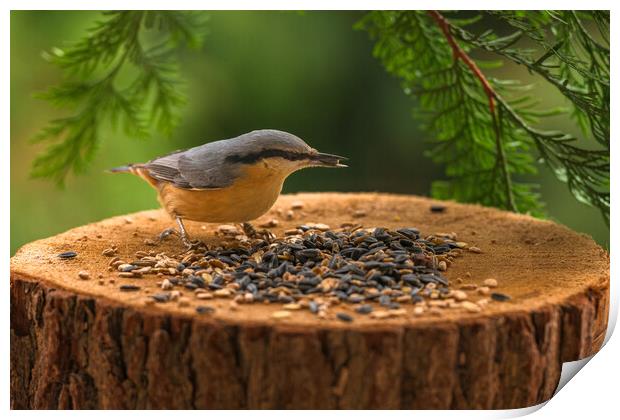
(458, 53)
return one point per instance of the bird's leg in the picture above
(183, 233)
(251, 232)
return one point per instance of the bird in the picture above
(235, 180)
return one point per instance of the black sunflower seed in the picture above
(364, 309)
(205, 309)
(500, 297)
(344, 317)
(161, 297)
(67, 255)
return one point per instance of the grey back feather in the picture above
(210, 165)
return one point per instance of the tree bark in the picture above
(79, 349)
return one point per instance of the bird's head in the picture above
(282, 152)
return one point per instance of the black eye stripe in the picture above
(254, 157)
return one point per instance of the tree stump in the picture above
(84, 344)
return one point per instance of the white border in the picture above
(592, 395)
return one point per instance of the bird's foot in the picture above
(165, 233)
(252, 233)
(187, 242)
(194, 245)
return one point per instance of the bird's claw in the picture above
(193, 245)
(262, 234)
(187, 242)
(165, 233)
(266, 235)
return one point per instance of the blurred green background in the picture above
(307, 73)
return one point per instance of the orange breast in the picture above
(248, 198)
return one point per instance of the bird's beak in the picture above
(330, 161)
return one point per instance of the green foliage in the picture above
(486, 129)
(122, 73)
(489, 140)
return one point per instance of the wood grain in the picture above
(77, 344)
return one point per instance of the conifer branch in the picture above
(485, 149)
(94, 95)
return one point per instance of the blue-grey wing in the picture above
(201, 167)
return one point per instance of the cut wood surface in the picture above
(82, 344)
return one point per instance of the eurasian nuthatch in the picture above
(234, 180)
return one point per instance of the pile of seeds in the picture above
(376, 271)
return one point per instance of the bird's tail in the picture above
(136, 169)
(122, 169)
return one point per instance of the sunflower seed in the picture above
(67, 255)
